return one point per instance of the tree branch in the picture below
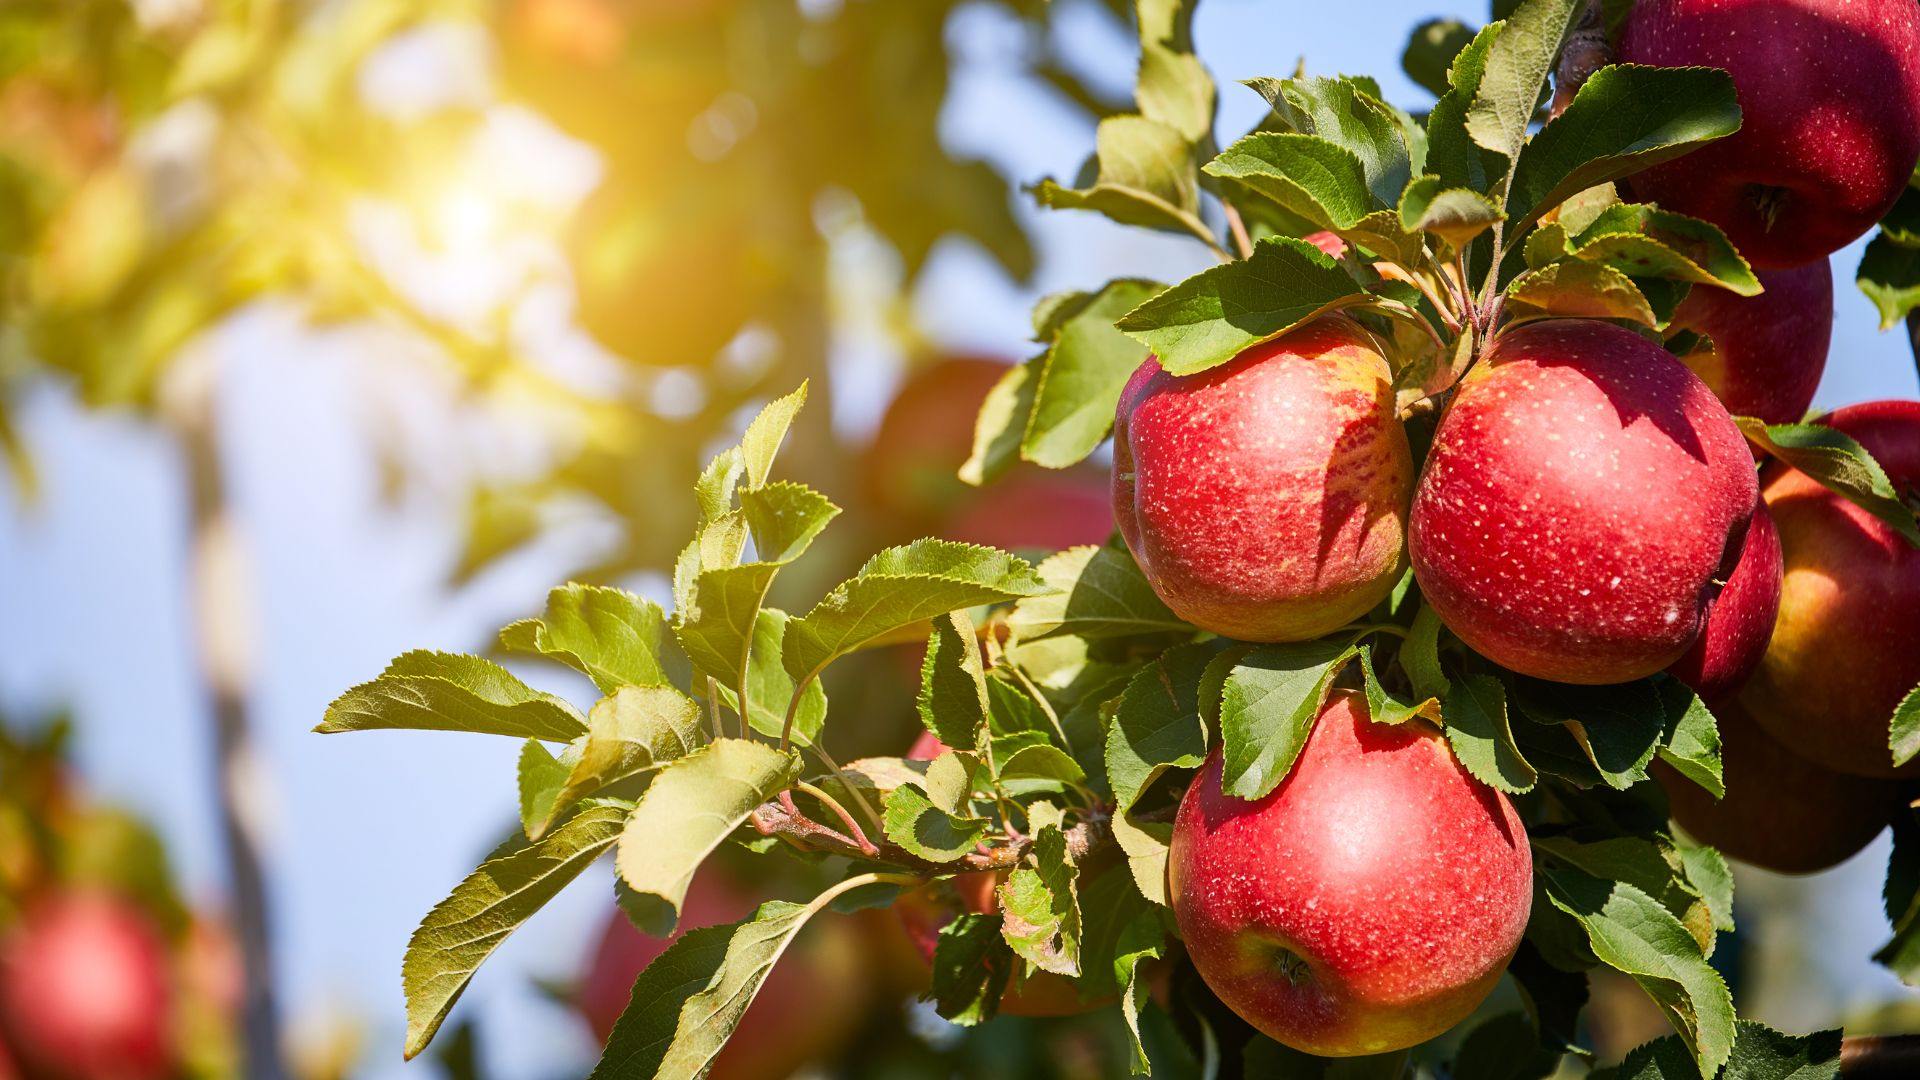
(780, 819)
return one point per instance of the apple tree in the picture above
(1461, 625)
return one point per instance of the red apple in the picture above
(910, 470)
(1368, 903)
(1830, 117)
(1266, 498)
(1846, 646)
(810, 1005)
(1740, 621)
(84, 992)
(1781, 812)
(1327, 242)
(1768, 350)
(1028, 512)
(1583, 493)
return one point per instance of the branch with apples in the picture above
(1480, 590)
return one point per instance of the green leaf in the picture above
(1837, 462)
(1707, 871)
(688, 1001)
(1042, 761)
(765, 434)
(1040, 906)
(1516, 69)
(925, 830)
(1759, 1053)
(1381, 234)
(971, 967)
(1455, 215)
(1211, 317)
(713, 490)
(1623, 120)
(1452, 154)
(1430, 52)
(951, 780)
(1145, 178)
(634, 730)
(953, 682)
(1143, 939)
(1692, 738)
(1482, 735)
(1309, 176)
(1348, 113)
(1002, 423)
(897, 588)
(541, 777)
(770, 688)
(1420, 655)
(1889, 275)
(609, 635)
(1647, 242)
(1654, 868)
(435, 691)
(1580, 290)
(1173, 88)
(1631, 932)
(1505, 1047)
(1902, 224)
(1903, 732)
(1081, 377)
(1157, 726)
(784, 518)
(1099, 593)
(1268, 705)
(464, 929)
(1386, 708)
(693, 805)
(1901, 954)
(1619, 728)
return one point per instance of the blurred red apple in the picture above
(1583, 494)
(1830, 117)
(1740, 620)
(1781, 812)
(1768, 350)
(1028, 512)
(1266, 498)
(1368, 903)
(1846, 646)
(910, 469)
(84, 993)
(1327, 242)
(810, 1005)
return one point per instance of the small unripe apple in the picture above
(1583, 494)
(1740, 622)
(1266, 499)
(811, 1003)
(1829, 117)
(84, 991)
(1781, 812)
(1368, 903)
(1768, 350)
(1846, 646)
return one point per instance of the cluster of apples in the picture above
(1588, 513)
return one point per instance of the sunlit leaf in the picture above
(434, 691)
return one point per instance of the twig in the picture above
(780, 819)
(854, 830)
(1238, 228)
(1880, 1057)
(853, 789)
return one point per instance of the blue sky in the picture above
(92, 576)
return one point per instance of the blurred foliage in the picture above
(164, 163)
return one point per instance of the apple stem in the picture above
(853, 789)
(1238, 228)
(854, 830)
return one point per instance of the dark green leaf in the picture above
(1157, 726)
(925, 830)
(1321, 182)
(1482, 736)
(1618, 727)
(1268, 706)
(1516, 67)
(1692, 739)
(1623, 120)
(1211, 317)
(1759, 1053)
(1838, 462)
(971, 966)
(1506, 1047)
(1348, 113)
(1430, 52)
(1901, 955)
(953, 682)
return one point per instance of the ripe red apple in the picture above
(1781, 812)
(1583, 493)
(1368, 903)
(910, 469)
(1846, 646)
(1768, 350)
(1327, 242)
(1830, 117)
(1266, 498)
(1740, 621)
(84, 991)
(810, 1005)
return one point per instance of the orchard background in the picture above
(386, 427)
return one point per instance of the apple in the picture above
(1740, 621)
(811, 1004)
(1583, 494)
(910, 469)
(1327, 242)
(1830, 117)
(1781, 812)
(1266, 499)
(8, 1070)
(1368, 903)
(1846, 645)
(1768, 350)
(84, 990)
